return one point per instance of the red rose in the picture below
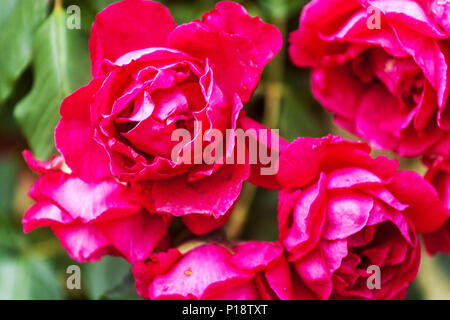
(342, 212)
(152, 77)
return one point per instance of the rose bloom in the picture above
(388, 85)
(439, 175)
(212, 271)
(91, 218)
(341, 211)
(151, 77)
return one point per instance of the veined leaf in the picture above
(18, 22)
(60, 65)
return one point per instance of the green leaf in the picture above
(99, 5)
(185, 11)
(281, 9)
(262, 224)
(11, 239)
(8, 172)
(28, 279)
(301, 115)
(18, 22)
(104, 276)
(124, 291)
(61, 65)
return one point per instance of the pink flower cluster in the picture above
(116, 190)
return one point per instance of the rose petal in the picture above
(232, 18)
(126, 26)
(83, 242)
(202, 272)
(137, 235)
(178, 197)
(425, 209)
(347, 213)
(234, 60)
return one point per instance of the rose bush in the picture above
(151, 77)
(341, 210)
(388, 85)
(123, 177)
(91, 218)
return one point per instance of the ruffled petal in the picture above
(269, 143)
(126, 26)
(74, 136)
(179, 197)
(200, 224)
(234, 60)
(106, 199)
(83, 242)
(232, 18)
(438, 240)
(137, 235)
(308, 219)
(313, 270)
(425, 209)
(255, 255)
(44, 214)
(203, 271)
(347, 213)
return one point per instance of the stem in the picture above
(58, 5)
(274, 86)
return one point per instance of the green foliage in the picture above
(61, 65)
(18, 22)
(8, 173)
(301, 116)
(281, 9)
(104, 276)
(262, 224)
(23, 278)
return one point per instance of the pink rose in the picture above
(245, 271)
(439, 176)
(151, 77)
(341, 211)
(388, 84)
(91, 218)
